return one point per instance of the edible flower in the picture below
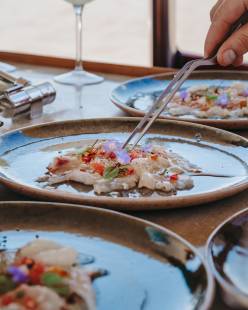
(18, 275)
(183, 94)
(112, 146)
(147, 148)
(245, 93)
(223, 99)
(123, 157)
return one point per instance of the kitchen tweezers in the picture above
(163, 100)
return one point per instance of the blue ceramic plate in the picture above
(25, 154)
(136, 96)
(148, 267)
(227, 254)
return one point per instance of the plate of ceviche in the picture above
(65, 257)
(176, 164)
(215, 98)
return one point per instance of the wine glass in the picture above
(78, 76)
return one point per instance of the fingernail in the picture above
(229, 56)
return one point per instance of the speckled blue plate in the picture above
(227, 253)
(136, 96)
(25, 154)
(149, 267)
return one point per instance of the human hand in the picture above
(223, 15)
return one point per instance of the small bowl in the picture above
(227, 255)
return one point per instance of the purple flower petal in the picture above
(223, 100)
(183, 94)
(123, 157)
(245, 93)
(147, 148)
(18, 275)
(112, 146)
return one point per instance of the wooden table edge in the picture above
(58, 62)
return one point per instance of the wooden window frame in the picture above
(165, 51)
(164, 44)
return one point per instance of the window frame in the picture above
(165, 51)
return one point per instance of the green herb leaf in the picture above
(212, 97)
(82, 151)
(51, 279)
(56, 283)
(63, 291)
(165, 172)
(6, 284)
(20, 294)
(123, 167)
(111, 173)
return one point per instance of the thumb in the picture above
(232, 51)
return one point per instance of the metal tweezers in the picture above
(160, 104)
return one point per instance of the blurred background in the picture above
(116, 31)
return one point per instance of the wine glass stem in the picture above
(78, 11)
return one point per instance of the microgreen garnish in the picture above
(164, 172)
(128, 148)
(212, 97)
(123, 168)
(63, 290)
(51, 279)
(56, 283)
(6, 284)
(20, 294)
(87, 149)
(82, 151)
(112, 146)
(111, 173)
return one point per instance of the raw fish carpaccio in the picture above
(216, 101)
(44, 275)
(107, 167)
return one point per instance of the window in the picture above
(192, 23)
(117, 31)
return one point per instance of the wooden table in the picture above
(194, 223)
